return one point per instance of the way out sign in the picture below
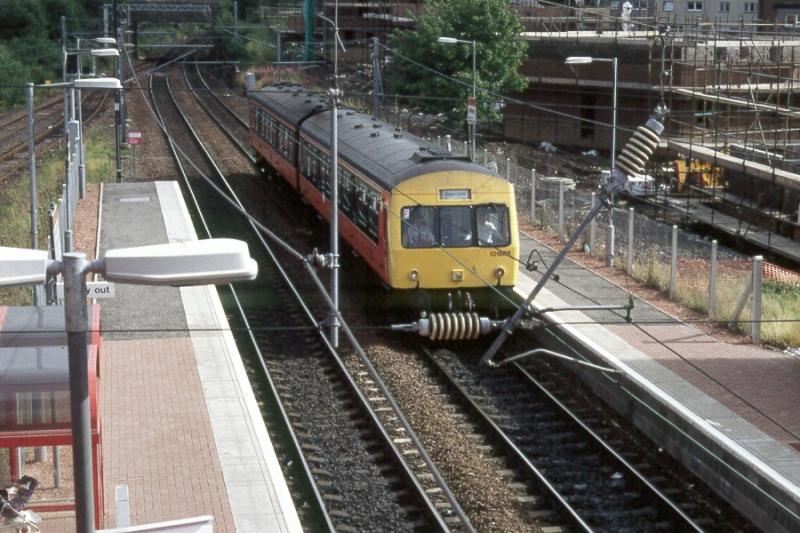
(472, 110)
(134, 137)
(94, 289)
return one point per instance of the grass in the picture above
(15, 203)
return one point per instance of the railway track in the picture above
(48, 127)
(364, 471)
(590, 481)
(566, 475)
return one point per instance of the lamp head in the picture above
(97, 83)
(105, 52)
(578, 60)
(447, 40)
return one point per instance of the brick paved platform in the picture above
(182, 428)
(727, 411)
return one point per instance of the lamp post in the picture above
(332, 260)
(584, 60)
(471, 121)
(211, 261)
(83, 83)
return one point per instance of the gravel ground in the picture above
(227, 156)
(153, 159)
(474, 477)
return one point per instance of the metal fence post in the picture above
(448, 144)
(758, 279)
(508, 169)
(712, 280)
(561, 210)
(466, 149)
(439, 141)
(631, 218)
(610, 239)
(533, 196)
(592, 227)
(673, 271)
(486, 162)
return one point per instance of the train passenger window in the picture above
(456, 224)
(492, 224)
(418, 227)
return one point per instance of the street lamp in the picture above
(471, 121)
(211, 261)
(585, 60)
(86, 83)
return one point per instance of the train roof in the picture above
(292, 102)
(385, 154)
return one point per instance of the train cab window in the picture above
(418, 227)
(456, 224)
(492, 225)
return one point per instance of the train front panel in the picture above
(452, 230)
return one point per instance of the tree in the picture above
(500, 52)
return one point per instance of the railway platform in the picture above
(182, 430)
(726, 411)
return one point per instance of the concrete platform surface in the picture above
(182, 427)
(728, 411)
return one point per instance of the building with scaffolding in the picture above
(732, 91)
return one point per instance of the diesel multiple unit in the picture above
(432, 225)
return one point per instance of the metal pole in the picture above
(510, 324)
(74, 267)
(32, 174)
(673, 271)
(614, 119)
(610, 239)
(236, 19)
(81, 149)
(533, 196)
(475, 98)
(712, 280)
(629, 266)
(334, 333)
(118, 101)
(72, 133)
(592, 226)
(376, 78)
(755, 319)
(561, 209)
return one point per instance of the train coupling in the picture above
(456, 326)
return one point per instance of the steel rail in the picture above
(228, 133)
(688, 522)
(432, 512)
(518, 454)
(242, 121)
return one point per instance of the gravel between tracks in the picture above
(473, 477)
(153, 159)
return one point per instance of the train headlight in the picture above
(499, 272)
(413, 275)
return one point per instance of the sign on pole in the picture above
(94, 290)
(472, 111)
(134, 137)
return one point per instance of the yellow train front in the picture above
(440, 231)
